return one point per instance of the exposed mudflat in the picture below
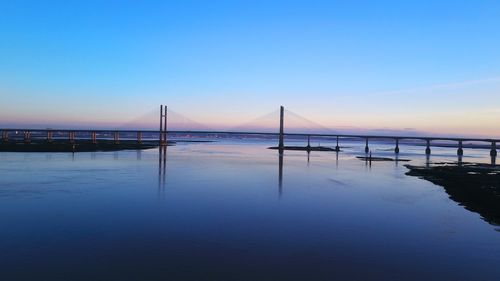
(77, 146)
(306, 148)
(381, 159)
(474, 186)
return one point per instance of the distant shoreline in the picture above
(77, 146)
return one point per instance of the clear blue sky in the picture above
(373, 64)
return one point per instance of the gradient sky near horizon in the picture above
(426, 65)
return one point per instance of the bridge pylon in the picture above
(281, 144)
(163, 125)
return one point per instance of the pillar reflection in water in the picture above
(162, 169)
(280, 171)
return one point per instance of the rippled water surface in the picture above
(228, 211)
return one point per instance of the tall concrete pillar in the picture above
(163, 125)
(493, 151)
(27, 137)
(281, 145)
(5, 136)
(139, 137)
(460, 150)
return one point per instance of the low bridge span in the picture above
(74, 135)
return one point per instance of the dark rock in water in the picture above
(306, 148)
(78, 146)
(193, 141)
(379, 159)
(474, 186)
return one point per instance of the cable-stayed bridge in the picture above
(280, 125)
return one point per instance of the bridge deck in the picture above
(399, 137)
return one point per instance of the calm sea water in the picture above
(227, 211)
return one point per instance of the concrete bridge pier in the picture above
(396, 149)
(5, 136)
(27, 137)
(367, 149)
(460, 150)
(116, 137)
(72, 137)
(493, 151)
(139, 137)
(428, 147)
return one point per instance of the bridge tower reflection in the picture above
(280, 172)
(162, 170)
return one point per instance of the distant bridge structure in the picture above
(74, 135)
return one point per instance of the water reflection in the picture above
(280, 172)
(336, 221)
(162, 170)
(368, 161)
